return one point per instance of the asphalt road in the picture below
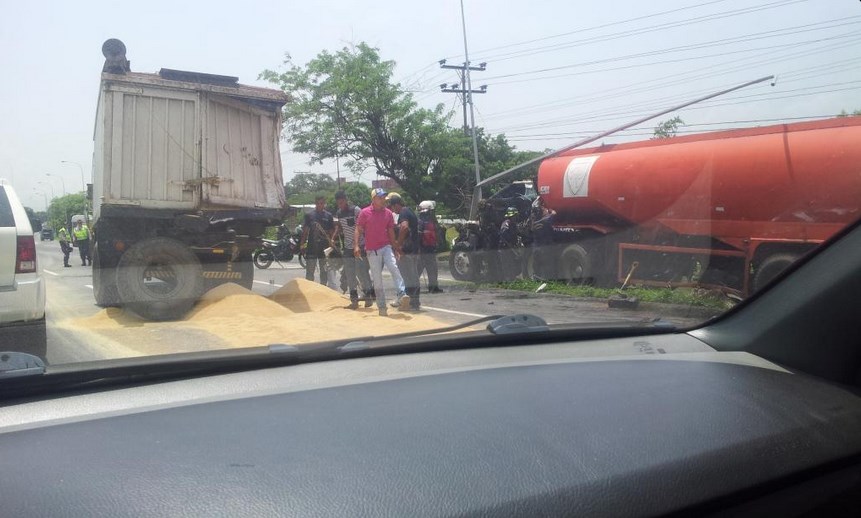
(70, 297)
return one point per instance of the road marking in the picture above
(88, 286)
(266, 283)
(476, 315)
(49, 272)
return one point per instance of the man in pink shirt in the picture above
(377, 225)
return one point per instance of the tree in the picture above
(346, 105)
(843, 113)
(35, 220)
(668, 128)
(302, 188)
(456, 179)
(61, 209)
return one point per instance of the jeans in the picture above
(84, 250)
(428, 262)
(384, 256)
(408, 264)
(311, 265)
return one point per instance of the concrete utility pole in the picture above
(465, 89)
(461, 89)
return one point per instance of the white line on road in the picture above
(88, 286)
(268, 284)
(453, 312)
(49, 272)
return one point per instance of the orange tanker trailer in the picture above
(729, 208)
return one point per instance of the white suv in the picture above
(22, 289)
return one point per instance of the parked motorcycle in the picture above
(278, 250)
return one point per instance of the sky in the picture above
(557, 70)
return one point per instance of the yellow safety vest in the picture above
(81, 234)
(62, 235)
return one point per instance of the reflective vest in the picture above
(62, 235)
(81, 234)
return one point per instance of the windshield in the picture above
(214, 177)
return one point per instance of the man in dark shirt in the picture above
(318, 231)
(408, 242)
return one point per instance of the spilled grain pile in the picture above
(230, 316)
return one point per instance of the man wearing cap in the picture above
(377, 227)
(408, 243)
(347, 215)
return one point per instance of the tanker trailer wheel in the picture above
(575, 266)
(104, 282)
(262, 258)
(461, 262)
(771, 267)
(159, 279)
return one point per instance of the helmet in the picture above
(426, 206)
(510, 212)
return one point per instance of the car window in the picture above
(7, 218)
(199, 192)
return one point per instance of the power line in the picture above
(596, 27)
(639, 31)
(706, 105)
(683, 77)
(683, 48)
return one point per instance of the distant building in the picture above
(387, 184)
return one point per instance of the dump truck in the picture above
(728, 209)
(186, 177)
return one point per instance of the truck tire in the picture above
(459, 262)
(575, 266)
(262, 258)
(771, 267)
(104, 282)
(159, 279)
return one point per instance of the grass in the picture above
(682, 296)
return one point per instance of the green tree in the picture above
(345, 104)
(456, 179)
(35, 220)
(844, 113)
(668, 128)
(302, 188)
(61, 209)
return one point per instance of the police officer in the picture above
(63, 237)
(81, 239)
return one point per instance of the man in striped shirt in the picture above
(354, 267)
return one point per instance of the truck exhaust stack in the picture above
(114, 51)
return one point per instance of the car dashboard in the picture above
(638, 426)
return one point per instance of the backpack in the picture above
(427, 230)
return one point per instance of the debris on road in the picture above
(230, 316)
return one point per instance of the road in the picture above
(70, 299)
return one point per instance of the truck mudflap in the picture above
(240, 272)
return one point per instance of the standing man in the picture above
(63, 236)
(408, 243)
(353, 271)
(317, 231)
(377, 227)
(81, 239)
(429, 238)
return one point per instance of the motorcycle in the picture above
(277, 250)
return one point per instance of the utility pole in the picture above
(467, 91)
(461, 89)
